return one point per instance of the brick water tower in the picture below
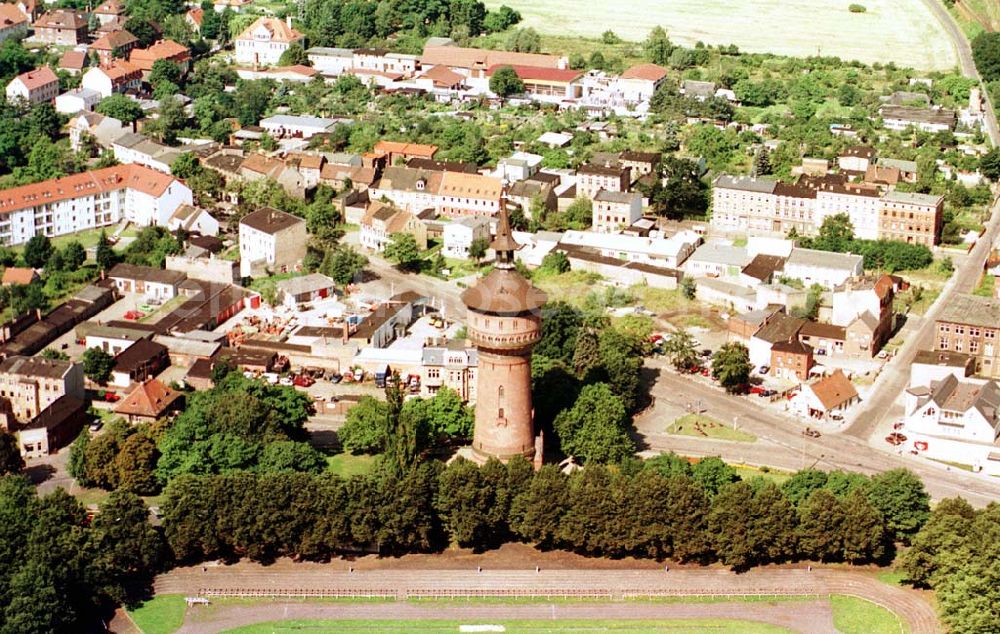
(504, 324)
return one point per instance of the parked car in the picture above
(764, 369)
(286, 381)
(706, 352)
(111, 397)
(303, 380)
(96, 426)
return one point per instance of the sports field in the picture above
(902, 31)
(676, 626)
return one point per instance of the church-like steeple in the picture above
(504, 245)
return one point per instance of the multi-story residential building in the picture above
(469, 195)
(614, 211)
(32, 383)
(971, 324)
(263, 42)
(591, 179)
(271, 239)
(860, 202)
(450, 364)
(641, 163)
(915, 218)
(863, 306)
(118, 78)
(88, 200)
(856, 159)
(409, 189)
(116, 44)
(13, 23)
(791, 360)
(381, 221)
(61, 26)
(459, 235)
(735, 199)
(35, 86)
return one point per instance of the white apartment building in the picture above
(861, 205)
(35, 86)
(332, 62)
(263, 42)
(78, 100)
(271, 239)
(614, 211)
(469, 195)
(88, 200)
(459, 235)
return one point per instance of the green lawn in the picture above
(702, 426)
(675, 626)
(347, 465)
(857, 616)
(162, 614)
(777, 476)
(891, 577)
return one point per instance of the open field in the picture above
(857, 616)
(678, 626)
(903, 31)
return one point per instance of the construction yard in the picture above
(904, 32)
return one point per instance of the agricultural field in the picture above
(901, 31)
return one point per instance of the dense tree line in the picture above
(956, 553)
(664, 508)
(59, 571)
(837, 235)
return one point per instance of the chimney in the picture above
(288, 20)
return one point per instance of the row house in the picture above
(909, 217)
(859, 202)
(88, 200)
(592, 178)
(614, 211)
(35, 86)
(382, 221)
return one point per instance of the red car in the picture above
(111, 397)
(303, 380)
(134, 315)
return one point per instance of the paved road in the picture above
(782, 445)
(895, 376)
(392, 279)
(395, 575)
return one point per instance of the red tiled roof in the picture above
(443, 76)
(197, 15)
(144, 58)
(110, 7)
(151, 399)
(280, 32)
(17, 275)
(134, 176)
(73, 60)
(648, 72)
(35, 79)
(412, 149)
(111, 41)
(120, 70)
(538, 73)
(834, 390)
(61, 19)
(11, 15)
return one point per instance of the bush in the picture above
(857, 8)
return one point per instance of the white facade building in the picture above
(264, 41)
(35, 86)
(461, 233)
(822, 267)
(79, 100)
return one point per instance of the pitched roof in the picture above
(792, 346)
(139, 353)
(270, 220)
(645, 72)
(150, 399)
(280, 32)
(35, 79)
(763, 266)
(127, 271)
(118, 71)
(134, 176)
(35, 367)
(18, 275)
(972, 310)
(405, 179)
(412, 149)
(834, 390)
(61, 19)
(73, 60)
(823, 331)
(305, 284)
(11, 15)
(470, 186)
(111, 41)
(459, 57)
(780, 328)
(504, 292)
(538, 73)
(960, 396)
(144, 58)
(443, 76)
(110, 7)
(197, 15)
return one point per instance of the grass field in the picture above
(346, 464)
(680, 626)
(902, 31)
(703, 426)
(160, 615)
(857, 616)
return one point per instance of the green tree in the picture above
(10, 454)
(185, 166)
(120, 107)
(135, 464)
(523, 41)
(731, 366)
(365, 427)
(835, 234)
(402, 249)
(986, 53)
(37, 251)
(505, 82)
(680, 349)
(944, 535)
(105, 254)
(501, 19)
(142, 30)
(900, 497)
(864, 531)
(713, 474)
(595, 429)
(127, 549)
(74, 255)
(989, 164)
(344, 265)
(98, 364)
(164, 71)
(803, 484)
(821, 526)
(555, 263)
(658, 47)
(477, 249)
(294, 55)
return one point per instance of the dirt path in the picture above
(812, 617)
